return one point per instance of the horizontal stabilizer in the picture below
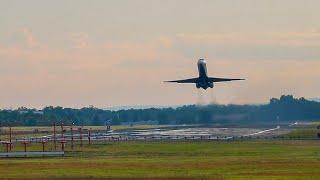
(192, 80)
(214, 79)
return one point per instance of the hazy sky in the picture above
(118, 52)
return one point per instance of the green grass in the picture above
(309, 131)
(302, 133)
(266, 159)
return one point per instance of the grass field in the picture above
(302, 133)
(287, 159)
(309, 131)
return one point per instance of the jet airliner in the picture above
(203, 81)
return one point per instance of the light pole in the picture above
(71, 129)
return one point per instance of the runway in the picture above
(167, 133)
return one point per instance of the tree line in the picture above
(283, 109)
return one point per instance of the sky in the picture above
(76, 53)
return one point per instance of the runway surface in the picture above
(175, 133)
(167, 133)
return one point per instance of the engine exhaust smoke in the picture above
(206, 97)
(213, 97)
(201, 98)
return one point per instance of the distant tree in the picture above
(286, 108)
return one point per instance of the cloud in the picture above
(80, 71)
(79, 40)
(19, 37)
(29, 38)
(301, 39)
(83, 71)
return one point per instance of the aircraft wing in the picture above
(192, 80)
(214, 79)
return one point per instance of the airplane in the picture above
(203, 81)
